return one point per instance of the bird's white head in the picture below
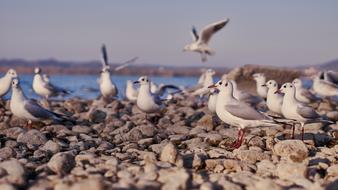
(37, 70)
(223, 86)
(297, 83)
(45, 77)
(287, 88)
(143, 80)
(12, 73)
(272, 84)
(15, 83)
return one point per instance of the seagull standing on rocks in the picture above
(5, 82)
(260, 79)
(28, 109)
(131, 92)
(200, 43)
(302, 94)
(295, 110)
(107, 88)
(236, 113)
(147, 101)
(45, 88)
(274, 100)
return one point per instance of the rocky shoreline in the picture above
(113, 146)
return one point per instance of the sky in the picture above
(265, 32)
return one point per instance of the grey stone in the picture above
(32, 137)
(169, 153)
(51, 146)
(6, 153)
(295, 150)
(15, 171)
(62, 163)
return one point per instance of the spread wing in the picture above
(209, 30)
(244, 111)
(194, 33)
(104, 56)
(164, 88)
(307, 112)
(126, 64)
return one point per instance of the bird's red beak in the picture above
(278, 92)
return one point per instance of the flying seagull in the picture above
(201, 40)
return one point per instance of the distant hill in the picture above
(331, 65)
(53, 66)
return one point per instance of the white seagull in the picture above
(45, 88)
(302, 94)
(107, 88)
(208, 80)
(5, 82)
(260, 79)
(131, 92)
(200, 43)
(324, 88)
(296, 110)
(28, 109)
(274, 100)
(147, 101)
(236, 113)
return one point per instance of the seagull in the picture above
(131, 92)
(274, 100)
(107, 88)
(244, 96)
(6, 80)
(324, 88)
(45, 88)
(330, 76)
(302, 94)
(200, 43)
(28, 109)
(147, 101)
(212, 100)
(294, 109)
(208, 80)
(260, 79)
(236, 113)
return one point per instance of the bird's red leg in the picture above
(293, 132)
(242, 137)
(239, 140)
(302, 132)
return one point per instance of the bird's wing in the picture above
(126, 64)
(209, 30)
(194, 34)
(37, 111)
(244, 111)
(307, 112)
(164, 88)
(332, 76)
(308, 94)
(104, 56)
(328, 83)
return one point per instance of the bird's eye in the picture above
(142, 79)
(291, 86)
(270, 82)
(147, 80)
(226, 84)
(274, 85)
(220, 83)
(284, 86)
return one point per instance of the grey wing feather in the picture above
(194, 33)
(104, 55)
(307, 112)
(126, 64)
(37, 111)
(308, 94)
(162, 89)
(209, 30)
(244, 111)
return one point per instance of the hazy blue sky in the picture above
(285, 32)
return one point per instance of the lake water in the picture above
(86, 86)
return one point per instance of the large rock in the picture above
(62, 163)
(97, 116)
(295, 150)
(32, 137)
(169, 153)
(15, 172)
(51, 146)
